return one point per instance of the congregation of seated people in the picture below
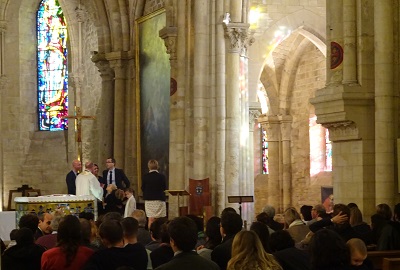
(309, 239)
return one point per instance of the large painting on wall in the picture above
(153, 89)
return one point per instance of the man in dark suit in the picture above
(114, 176)
(231, 224)
(183, 239)
(71, 176)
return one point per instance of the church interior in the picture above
(288, 101)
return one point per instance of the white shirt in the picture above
(87, 184)
(130, 206)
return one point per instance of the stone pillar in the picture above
(350, 42)
(3, 25)
(220, 109)
(286, 127)
(384, 102)
(237, 34)
(3, 86)
(119, 64)
(105, 145)
(272, 126)
(334, 30)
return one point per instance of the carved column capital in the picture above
(239, 36)
(119, 63)
(81, 14)
(253, 115)
(76, 80)
(286, 126)
(342, 131)
(169, 34)
(271, 124)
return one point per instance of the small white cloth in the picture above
(130, 206)
(87, 184)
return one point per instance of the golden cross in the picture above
(78, 117)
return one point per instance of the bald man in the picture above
(71, 176)
(87, 184)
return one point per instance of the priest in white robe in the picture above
(87, 184)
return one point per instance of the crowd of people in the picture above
(126, 238)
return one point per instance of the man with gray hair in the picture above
(87, 184)
(318, 212)
(143, 235)
(270, 211)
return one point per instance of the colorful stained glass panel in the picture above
(52, 66)
(264, 152)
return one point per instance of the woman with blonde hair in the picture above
(248, 253)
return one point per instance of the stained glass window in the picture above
(328, 152)
(320, 148)
(264, 151)
(52, 66)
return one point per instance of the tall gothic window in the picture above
(320, 148)
(52, 66)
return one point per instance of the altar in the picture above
(69, 204)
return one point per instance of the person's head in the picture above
(140, 216)
(213, 234)
(95, 169)
(396, 212)
(89, 166)
(328, 249)
(111, 233)
(13, 234)
(45, 222)
(24, 236)
(69, 231)
(55, 222)
(231, 224)
(269, 210)
(352, 205)
(111, 187)
(110, 163)
(183, 234)
(112, 216)
(76, 165)
(261, 229)
(130, 227)
(318, 211)
(198, 221)
(337, 208)
(291, 215)
(384, 210)
(248, 253)
(164, 233)
(356, 217)
(29, 221)
(87, 215)
(263, 217)
(358, 251)
(129, 192)
(86, 230)
(305, 211)
(155, 228)
(228, 209)
(279, 240)
(152, 164)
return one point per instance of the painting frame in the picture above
(152, 94)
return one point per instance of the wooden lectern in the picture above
(184, 209)
(240, 200)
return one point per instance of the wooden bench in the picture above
(391, 264)
(377, 257)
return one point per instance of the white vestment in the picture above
(130, 206)
(87, 184)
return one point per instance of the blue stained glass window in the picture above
(52, 66)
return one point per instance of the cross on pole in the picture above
(78, 117)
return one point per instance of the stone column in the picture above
(3, 86)
(350, 42)
(334, 30)
(3, 25)
(286, 127)
(118, 62)
(105, 145)
(384, 102)
(220, 108)
(237, 34)
(273, 137)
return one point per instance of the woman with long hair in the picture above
(69, 254)
(248, 254)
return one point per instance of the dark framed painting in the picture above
(152, 93)
(327, 198)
